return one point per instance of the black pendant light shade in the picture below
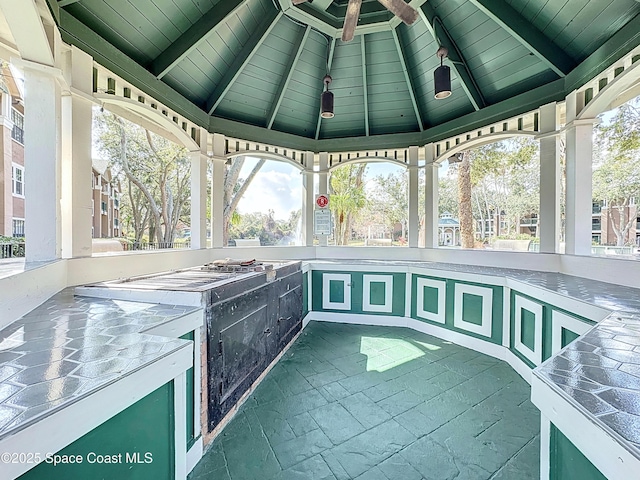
(442, 76)
(326, 103)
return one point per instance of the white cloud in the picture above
(273, 188)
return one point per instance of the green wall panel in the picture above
(429, 300)
(567, 462)
(472, 308)
(376, 293)
(471, 302)
(336, 291)
(568, 336)
(398, 295)
(528, 328)
(147, 426)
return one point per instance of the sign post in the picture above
(322, 216)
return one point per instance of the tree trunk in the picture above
(465, 211)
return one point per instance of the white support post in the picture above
(579, 144)
(217, 191)
(199, 193)
(76, 192)
(42, 153)
(414, 219)
(549, 221)
(431, 199)
(323, 186)
(307, 200)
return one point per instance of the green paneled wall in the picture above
(147, 426)
(336, 293)
(566, 462)
(547, 330)
(472, 306)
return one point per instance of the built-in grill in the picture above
(252, 311)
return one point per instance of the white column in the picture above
(42, 154)
(76, 156)
(307, 200)
(431, 200)
(217, 191)
(579, 145)
(414, 219)
(323, 186)
(199, 162)
(549, 218)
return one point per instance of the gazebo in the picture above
(314, 84)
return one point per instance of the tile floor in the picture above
(364, 402)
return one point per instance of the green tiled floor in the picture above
(352, 401)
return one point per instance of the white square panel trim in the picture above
(487, 303)
(560, 321)
(367, 306)
(441, 288)
(327, 304)
(534, 356)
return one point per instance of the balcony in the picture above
(527, 222)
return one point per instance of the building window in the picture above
(18, 227)
(17, 133)
(17, 177)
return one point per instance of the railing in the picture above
(154, 245)
(528, 221)
(11, 250)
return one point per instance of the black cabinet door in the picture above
(246, 330)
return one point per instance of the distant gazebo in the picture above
(449, 230)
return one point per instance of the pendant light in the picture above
(326, 101)
(442, 76)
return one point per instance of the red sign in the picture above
(322, 201)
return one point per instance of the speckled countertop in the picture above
(599, 373)
(70, 347)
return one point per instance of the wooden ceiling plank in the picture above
(469, 84)
(524, 31)
(407, 79)
(293, 62)
(332, 49)
(364, 86)
(242, 59)
(196, 34)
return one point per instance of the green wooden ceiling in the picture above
(247, 63)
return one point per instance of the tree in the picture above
(157, 174)
(234, 189)
(616, 178)
(347, 198)
(464, 201)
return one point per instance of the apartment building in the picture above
(602, 221)
(12, 172)
(106, 201)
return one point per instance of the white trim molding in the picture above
(367, 306)
(441, 288)
(535, 355)
(327, 304)
(487, 304)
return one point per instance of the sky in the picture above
(278, 186)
